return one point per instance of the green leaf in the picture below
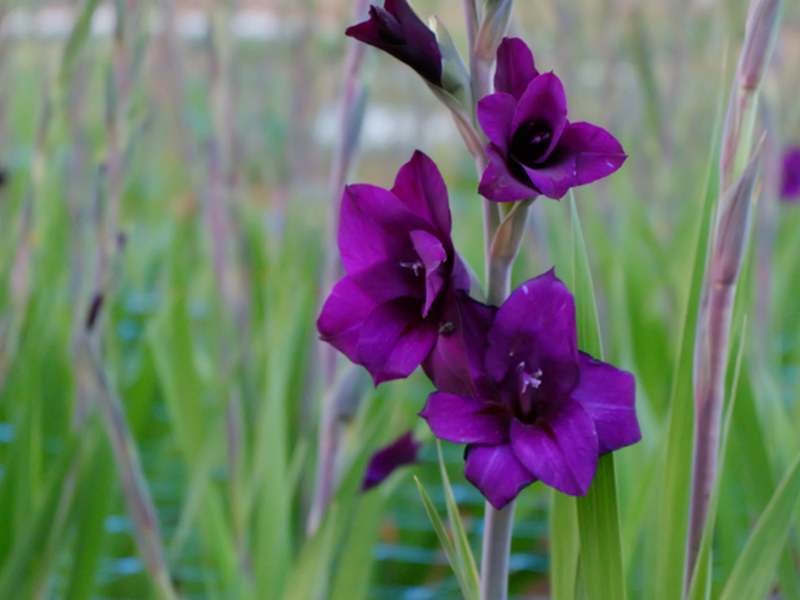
(755, 569)
(598, 511)
(564, 546)
(463, 550)
(673, 513)
(309, 578)
(464, 580)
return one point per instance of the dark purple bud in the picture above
(383, 463)
(790, 184)
(397, 30)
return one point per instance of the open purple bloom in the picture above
(402, 272)
(533, 149)
(542, 409)
(790, 185)
(402, 451)
(397, 30)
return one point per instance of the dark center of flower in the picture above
(529, 382)
(531, 140)
(414, 266)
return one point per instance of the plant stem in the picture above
(330, 429)
(497, 529)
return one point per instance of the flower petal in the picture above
(543, 100)
(585, 153)
(374, 227)
(387, 280)
(536, 326)
(395, 339)
(383, 463)
(497, 473)
(397, 30)
(515, 67)
(462, 419)
(342, 316)
(457, 359)
(433, 255)
(790, 180)
(498, 184)
(560, 449)
(420, 186)
(496, 114)
(608, 395)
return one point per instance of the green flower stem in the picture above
(497, 530)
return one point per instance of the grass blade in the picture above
(452, 556)
(598, 511)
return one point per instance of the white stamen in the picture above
(415, 266)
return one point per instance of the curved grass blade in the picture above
(464, 582)
(598, 511)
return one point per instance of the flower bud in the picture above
(496, 15)
(733, 224)
(759, 41)
(455, 76)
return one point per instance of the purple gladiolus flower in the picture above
(397, 30)
(402, 451)
(790, 185)
(402, 273)
(543, 409)
(533, 149)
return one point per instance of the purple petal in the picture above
(374, 227)
(388, 280)
(497, 473)
(432, 254)
(790, 185)
(402, 451)
(608, 395)
(462, 419)
(342, 316)
(560, 449)
(457, 359)
(496, 114)
(585, 153)
(536, 327)
(397, 30)
(395, 339)
(515, 68)
(544, 100)
(460, 274)
(498, 184)
(420, 186)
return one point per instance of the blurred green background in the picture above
(165, 176)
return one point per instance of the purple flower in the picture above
(790, 185)
(402, 451)
(397, 30)
(402, 272)
(543, 410)
(533, 149)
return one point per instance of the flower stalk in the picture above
(738, 170)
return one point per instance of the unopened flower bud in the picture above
(733, 225)
(759, 41)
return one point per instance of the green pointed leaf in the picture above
(564, 546)
(598, 511)
(463, 550)
(463, 578)
(755, 569)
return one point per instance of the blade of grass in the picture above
(598, 511)
(463, 550)
(564, 546)
(452, 556)
(755, 569)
